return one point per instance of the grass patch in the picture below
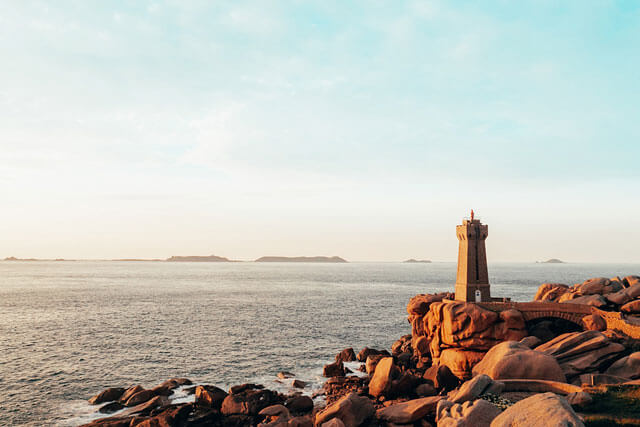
(613, 405)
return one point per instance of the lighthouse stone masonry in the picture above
(472, 282)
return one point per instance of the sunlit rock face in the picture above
(460, 333)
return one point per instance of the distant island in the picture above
(552, 261)
(422, 261)
(300, 259)
(198, 258)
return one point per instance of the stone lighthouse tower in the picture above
(472, 282)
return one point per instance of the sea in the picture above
(69, 329)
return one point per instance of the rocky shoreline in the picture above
(462, 365)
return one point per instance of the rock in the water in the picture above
(298, 384)
(627, 367)
(107, 395)
(410, 411)
(111, 407)
(382, 378)
(299, 404)
(346, 355)
(545, 409)
(352, 410)
(581, 352)
(441, 377)
(140, 397)
(283, 375)
(479, 413)
(130, 392)
(514, 360)
(594, 322)
(148, 406)
(335, 369)
(210, 396)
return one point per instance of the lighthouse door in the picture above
(478, 295)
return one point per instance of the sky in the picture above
(365, 129)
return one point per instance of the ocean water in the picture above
(70, 329)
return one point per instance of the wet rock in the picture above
(627, 367)
(107, 395)
(334, 422)
(594, 322)
(209, 396)
(250, 401)
(582, 352)
(382, 378)
(111, 407)
(366, 352)
(130, 392)
(146, 407)
(514, 360)
(237, 389)
(298, 384)
(352, 410)
(409, 411)
(335, 369)
(299, 404)
(283, 375)
(140, 397)
(479, 413)
(546, 409)
(346, 355)
(441, 377)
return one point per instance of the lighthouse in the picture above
(472, 282)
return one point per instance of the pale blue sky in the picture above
(360, 129)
